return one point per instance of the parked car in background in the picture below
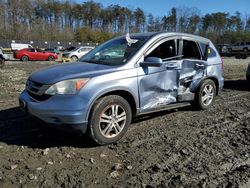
(52, 50)
(71, 48)
(101, 93)
(222, 48)
(19, 46)
(60, 48)
(34, 54)
(3, 58)
(239, 46)
(248, 74)
(77, 52)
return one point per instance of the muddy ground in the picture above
(178, 148)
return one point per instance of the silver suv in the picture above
(123, 78)
(239, 46)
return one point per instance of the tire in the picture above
(25, 58)
(74, 58)
(205, 94)
(245, 50)
(51, 58)
(230, 49)
(105, 125)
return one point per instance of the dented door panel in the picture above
(157, 88)
(191, 73)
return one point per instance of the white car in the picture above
(19, 46)
(78, 52)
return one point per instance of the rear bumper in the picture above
(58, 111)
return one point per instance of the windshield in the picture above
(115, 52)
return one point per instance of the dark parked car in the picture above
(34, 54)
(71, 48)
(100, 94)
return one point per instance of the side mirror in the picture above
(151, 62)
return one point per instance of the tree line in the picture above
(92, 22)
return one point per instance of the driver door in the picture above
(158, 84)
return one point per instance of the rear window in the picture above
(190, 50)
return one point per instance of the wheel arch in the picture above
(214, 79)
(128, 96)
(26, 56)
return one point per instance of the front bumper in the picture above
(58, 111)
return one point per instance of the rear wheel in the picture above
(51, 58)
(24, 58)
(109, 120)
(230, 49)
(205, 94)
(245, 49)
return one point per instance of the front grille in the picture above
(39, 97)
(37, 90)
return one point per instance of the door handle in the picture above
(199, 65)
(171, 66)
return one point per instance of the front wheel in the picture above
(74, 58)
(109, 120)
(205, 94)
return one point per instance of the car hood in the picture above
(56, 73)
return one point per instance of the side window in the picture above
(242, 43)
(204, 50)
(31, 50)
(164, 50)
(190, 50)
(247, 43)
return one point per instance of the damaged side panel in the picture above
(190, 75)
(157, 89)
(170, 86)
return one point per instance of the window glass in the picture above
(211, 52)
(164, 50)
(190, 50)
(117, 51)
(204, 48)
(31, 50)
(247, 43)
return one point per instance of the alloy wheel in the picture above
(112, 120)
(207, 94)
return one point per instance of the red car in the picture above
(27, 54)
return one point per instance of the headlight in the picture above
(67, 86)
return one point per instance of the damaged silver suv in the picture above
(125, 77)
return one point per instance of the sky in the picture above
(162, 7)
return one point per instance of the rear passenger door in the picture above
(193, 66)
